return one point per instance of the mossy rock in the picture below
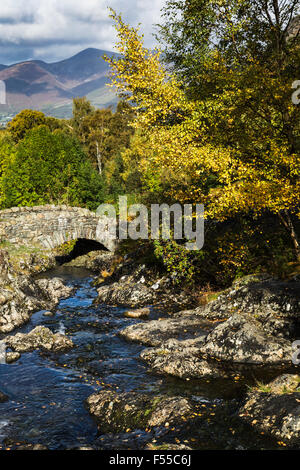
(117, 412)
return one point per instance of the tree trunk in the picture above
(288, 224)
(98, 155)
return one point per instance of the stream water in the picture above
(48, 392)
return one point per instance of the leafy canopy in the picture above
(50, 168)
(221, 128)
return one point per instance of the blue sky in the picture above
(56, 29)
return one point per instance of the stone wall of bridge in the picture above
(50, 226)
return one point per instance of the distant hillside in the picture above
(51, 87)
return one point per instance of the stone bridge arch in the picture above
(50, 226)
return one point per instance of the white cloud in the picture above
(55, 29)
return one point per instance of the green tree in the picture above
(50, 168)
(24, 122)
(104, 134)
(29, 119)
(90, 190)
(96, 127)
(7, 153)
(81, 109)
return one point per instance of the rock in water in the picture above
(49, 314)
(182, 359)
(131, 295)
(96, 261)
(155, 332)
(139, 313)
(117, 412)
(242, 339)
(138, 286)
(39, 338)
(12, 357)
(54, 289)
(3, 397)
(267, 298)
(21, 296)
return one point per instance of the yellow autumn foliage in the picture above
(189, 144)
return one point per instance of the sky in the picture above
(52, 30)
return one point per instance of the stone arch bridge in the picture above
(49, 226)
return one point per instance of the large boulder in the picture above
(182, 359)
(243, 339)
(275, 409)
(255, 322)
(21, 296)
(131, 295)
(117, 412)
(262, 319)
(137, 286)
(156, 332)
(269, 299)
(54, 289)
(97, 261)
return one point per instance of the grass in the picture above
(213, 296)
(163, 352)
(205, 297)
(264, 388)
(160, 447)
(14, 250)
(261, 387)
(28, 259)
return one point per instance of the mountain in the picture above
(50, 87)
(81, 66)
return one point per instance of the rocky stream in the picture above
(129, 364)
